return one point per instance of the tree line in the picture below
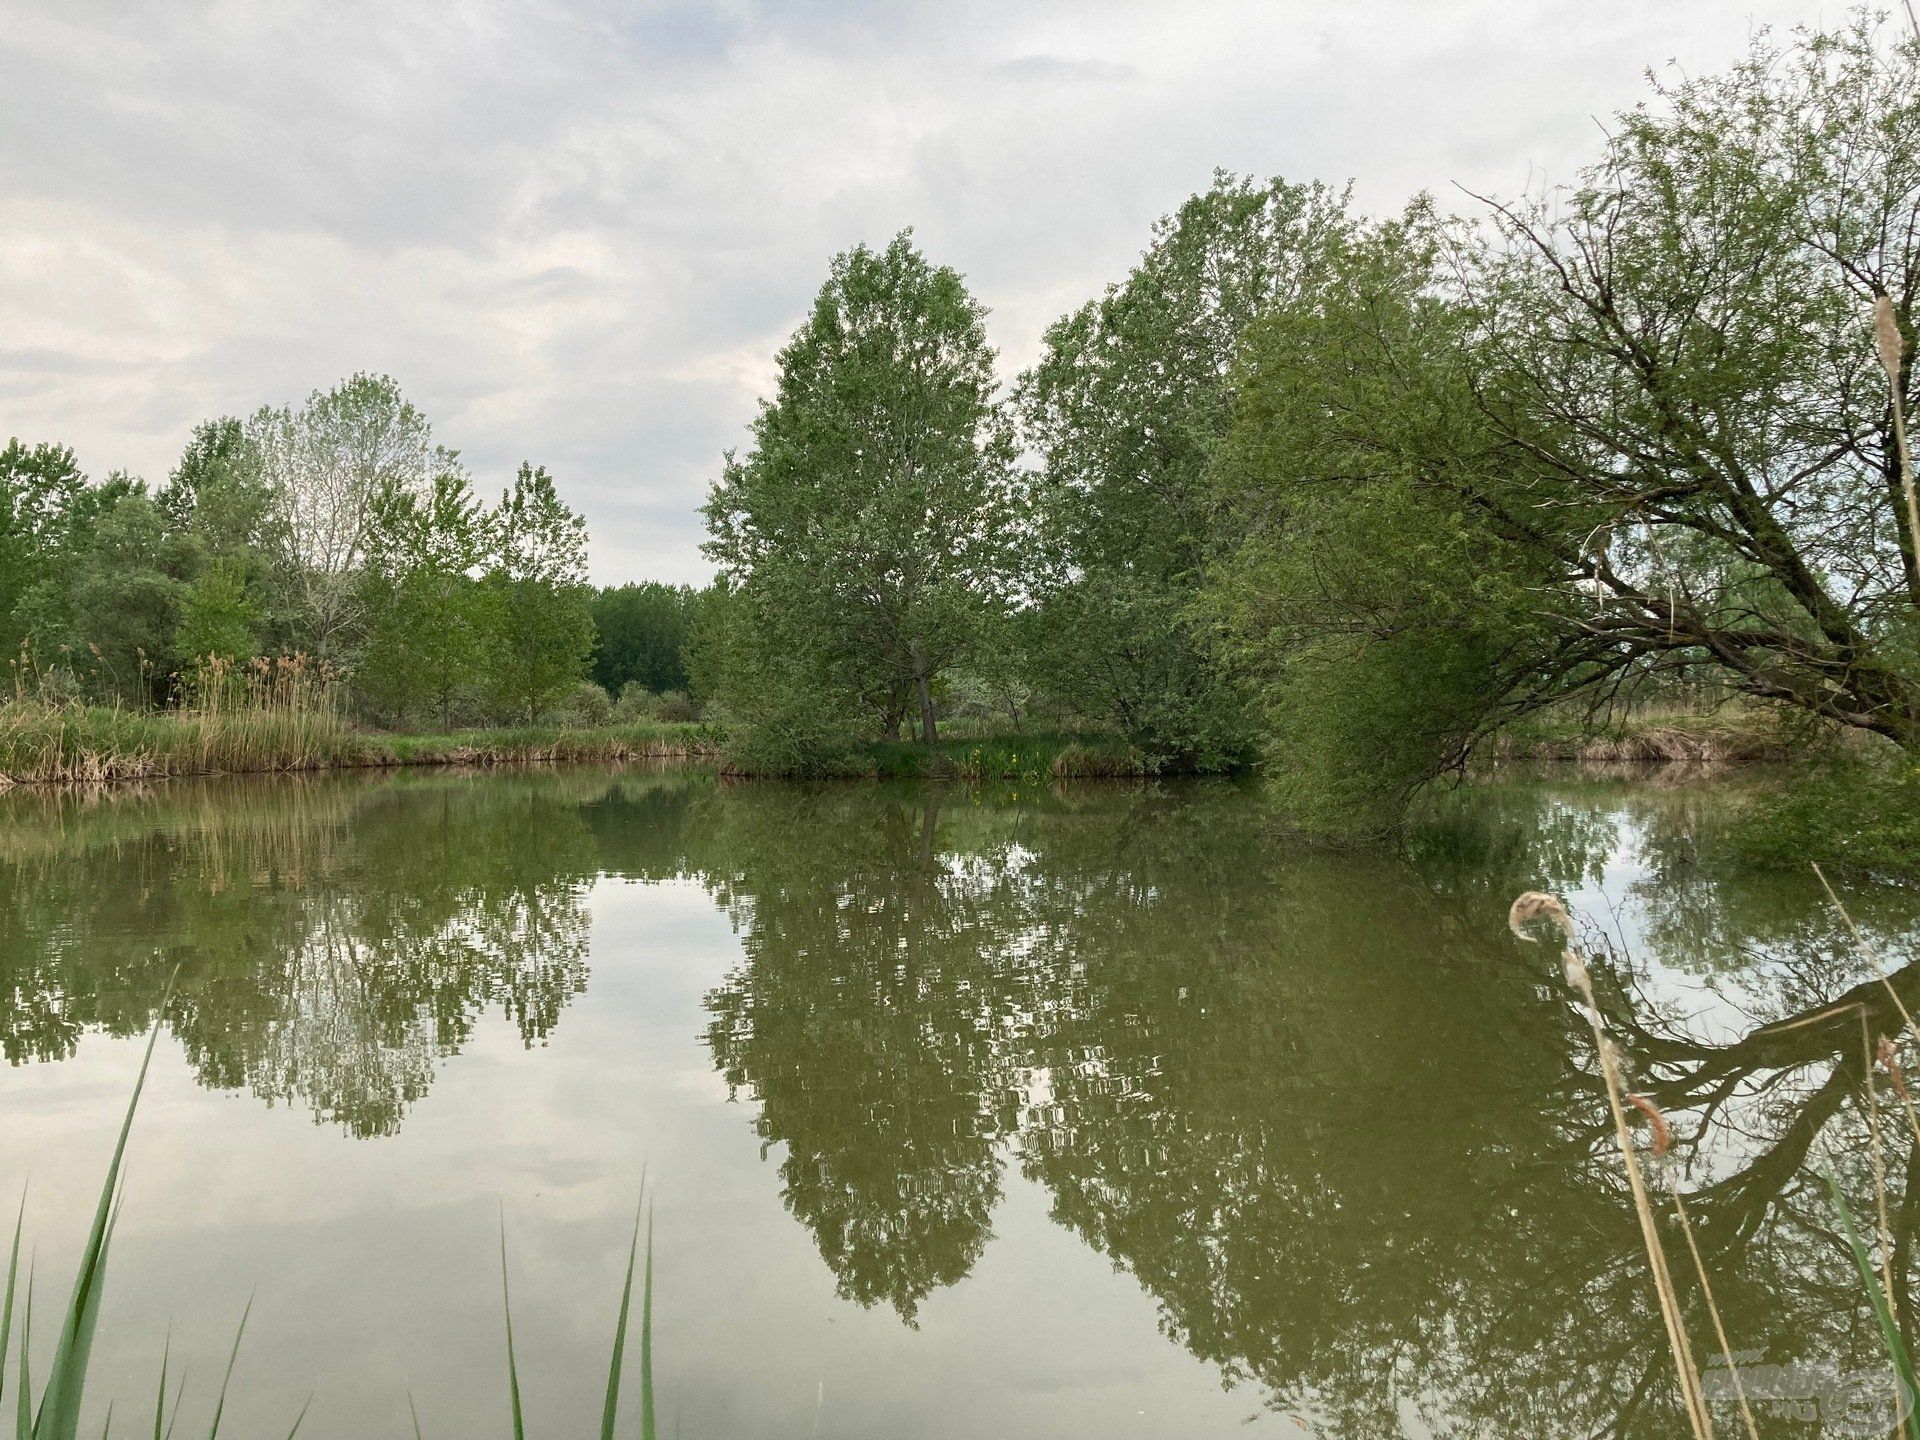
(1337, 493)
(1351, 493)
(338, 530)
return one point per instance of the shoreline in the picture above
(96, 746)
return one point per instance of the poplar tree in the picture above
(872, 531)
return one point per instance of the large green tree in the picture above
(1127, 409)
(326, 466)
(539, 626)
(218, 493)
(127, 588)
(40, 488)
(426, 608)
(1638, 426)
(873, 530)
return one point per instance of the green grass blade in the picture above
(648, 1429)
(24, 1423)
(1889, 1329)
(13, 1271)
(300, 1419)
(612, 1408)
(411, 1410)
(179, 1394)
(513, 1368)
(233, 1356)
(106, 1431)
(160, 1403)
(67, 1376)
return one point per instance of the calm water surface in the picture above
(1095, 1114)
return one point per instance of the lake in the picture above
(1094, 1112)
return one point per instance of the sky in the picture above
(577, 233)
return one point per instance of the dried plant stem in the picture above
(1531, 908)
(1643, 1208)
(1663, 1281)
(1878, 1151)
(1885, 1236)
(1713, 1312)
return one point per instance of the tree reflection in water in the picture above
(1327, 1112)
(334, 942)
(1341, 1126)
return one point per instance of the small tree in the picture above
(127, 584)
(539, 625)
(218, 617)
(425, 605)
(873, 530)
(326, 466)
(41, 488)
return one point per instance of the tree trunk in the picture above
(927, 732)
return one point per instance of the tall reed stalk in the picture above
(1533, 908)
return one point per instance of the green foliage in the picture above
(219, 618)
(588, 704)
(873, 532)
(782, 715)
(128, 587)
(1128, 408)
(1125, 652)
(1379, 615)
(1635, 430)
(1673, 366)
(1852, 815)
(641, 635)
(328, 468)
(40, 493)
(539, 626)
(427, 612)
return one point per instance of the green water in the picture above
(1101, 1113)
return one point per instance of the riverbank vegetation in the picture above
(77, 743)
(1360, 499)
(1360, 496)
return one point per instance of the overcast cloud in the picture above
(577, 232)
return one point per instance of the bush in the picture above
(1852, 815)
(636, 703)
(675, 707)
(586, 704)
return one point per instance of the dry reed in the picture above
(1530, 909)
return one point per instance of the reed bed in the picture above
(65, 745)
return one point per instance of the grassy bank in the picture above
(1730, 735)
(91, 744)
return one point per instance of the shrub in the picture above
(587, 704)
(636, 703)
(1851, 814)
(675, 707)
